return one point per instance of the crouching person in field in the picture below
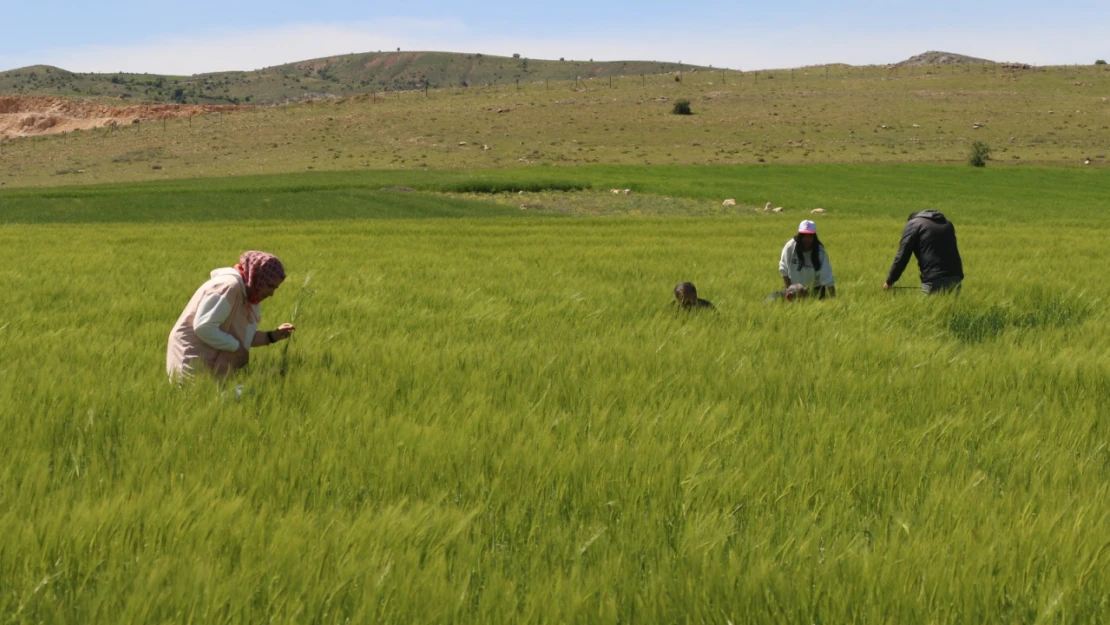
(804, 261)
(686, 298)
(220, 323)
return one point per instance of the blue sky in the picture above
(205, 35)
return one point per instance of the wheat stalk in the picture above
(301, 298)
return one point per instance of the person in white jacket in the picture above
(220, 323)
(804, 261)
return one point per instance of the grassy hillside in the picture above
(344, 75)
(491, 414)
(810, 115)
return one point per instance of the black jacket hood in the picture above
(932, 215)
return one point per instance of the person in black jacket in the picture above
(930, 237)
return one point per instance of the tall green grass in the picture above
(494, 420)
(1031, 195)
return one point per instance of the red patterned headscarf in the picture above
(259, 268)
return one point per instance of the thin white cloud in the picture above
(224, 51)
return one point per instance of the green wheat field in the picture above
(492, 415)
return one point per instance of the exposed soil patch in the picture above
(24, 116)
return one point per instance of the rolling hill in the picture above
(943, 58)
(336, 76)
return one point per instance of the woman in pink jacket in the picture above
(220, 323)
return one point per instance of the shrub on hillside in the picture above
(1100, 62)
(682, 107)
(980, 154)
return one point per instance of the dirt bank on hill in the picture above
(24, 116)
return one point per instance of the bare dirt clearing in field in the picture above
(24, 116)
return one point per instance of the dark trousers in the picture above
(942, 285)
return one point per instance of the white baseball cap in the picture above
(807, 227)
